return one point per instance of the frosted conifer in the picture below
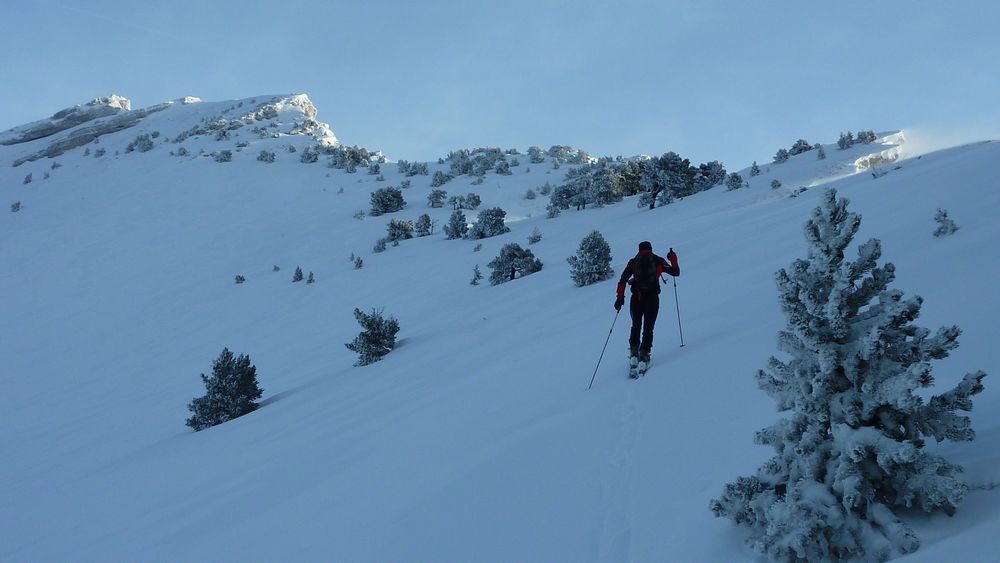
(476, 276)
(457, 226)
(852, 450)
(386, 200)
(489, 223)
(297, 276)
(229, 393)
(376, 340)
(592, 262)
(754, 169)
(535, 236)
(511, 262)
(424, 226)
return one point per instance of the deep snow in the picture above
(476, 438)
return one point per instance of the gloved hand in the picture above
(672, 257)
(618, 303)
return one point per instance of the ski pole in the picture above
(677, 303)
(603, 349)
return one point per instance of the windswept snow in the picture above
(475, 439)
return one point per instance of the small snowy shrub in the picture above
(478, 247)
(399, 230)
(781, 156)
(775, 184)
(359, 215)
(102, 151)
(592, 262)
(358, 263)
(530, 194)
(472, 201)
(376, 340)
(297, 276)
(27, 179)
(386, 200)
(845, 141)
(224, 156)
(231, 392)
(800, 147)
(852, 450)
(546, 189)
(55, 165)
(181, 151)
(374, 169)
(946, 225)
(535, 236)
(276, 268)
(266, 156)
(15, 207)
(311, 278)
(404, 184)
(309, 155)
(457, 226)
(489, 223)
(439, 179)
(240, 279)
(503, 168)
(141, 143)
(820, 152)
(476, 276)
(379, 246)
(513, 261)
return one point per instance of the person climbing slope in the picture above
(643, 274)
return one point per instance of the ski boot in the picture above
(644, 360)
(633, 363)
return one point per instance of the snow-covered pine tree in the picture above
(476, 276)
(852, 450)
(754, 169)
(781, 156)
(946, 225)
(229, 393)
(424, 226)
(820, 152)
(489, 223)
(734, 182)
(439, 179)
(386, 200)
(297, 276)
(376, 340)
(311, 278)
(436, 198)
(592, 262)
(512, 262)
(472, 201)
(457, 226)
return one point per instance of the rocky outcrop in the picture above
(66, 119)
(102, 125)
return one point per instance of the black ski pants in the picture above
(644, 308)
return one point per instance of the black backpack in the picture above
(644, 279)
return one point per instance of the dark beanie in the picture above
(644, 245)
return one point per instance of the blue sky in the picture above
(732, 81)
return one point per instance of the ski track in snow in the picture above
(615, 535)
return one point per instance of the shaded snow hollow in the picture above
(475, 439)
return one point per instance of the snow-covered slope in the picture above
(476, 438)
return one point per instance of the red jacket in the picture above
(671, 266)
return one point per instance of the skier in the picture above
(644, 270)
